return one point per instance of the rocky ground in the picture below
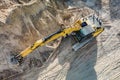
(24, 21)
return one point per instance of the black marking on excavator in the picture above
(48, 37)
(83, 24)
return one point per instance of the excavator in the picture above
(84, 29)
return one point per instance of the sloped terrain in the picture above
(22, 22)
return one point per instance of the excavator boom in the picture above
(42, 42)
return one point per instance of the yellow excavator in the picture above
(85, 30)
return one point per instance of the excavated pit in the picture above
(22, 22)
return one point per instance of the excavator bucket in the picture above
(15, 60)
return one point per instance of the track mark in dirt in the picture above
(10, 75)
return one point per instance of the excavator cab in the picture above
(83, 32)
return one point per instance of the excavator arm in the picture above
(48, 39)
(61, 33)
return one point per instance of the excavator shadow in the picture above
(114, 9)
(96, 5)
(67, 64)
(78, 65)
